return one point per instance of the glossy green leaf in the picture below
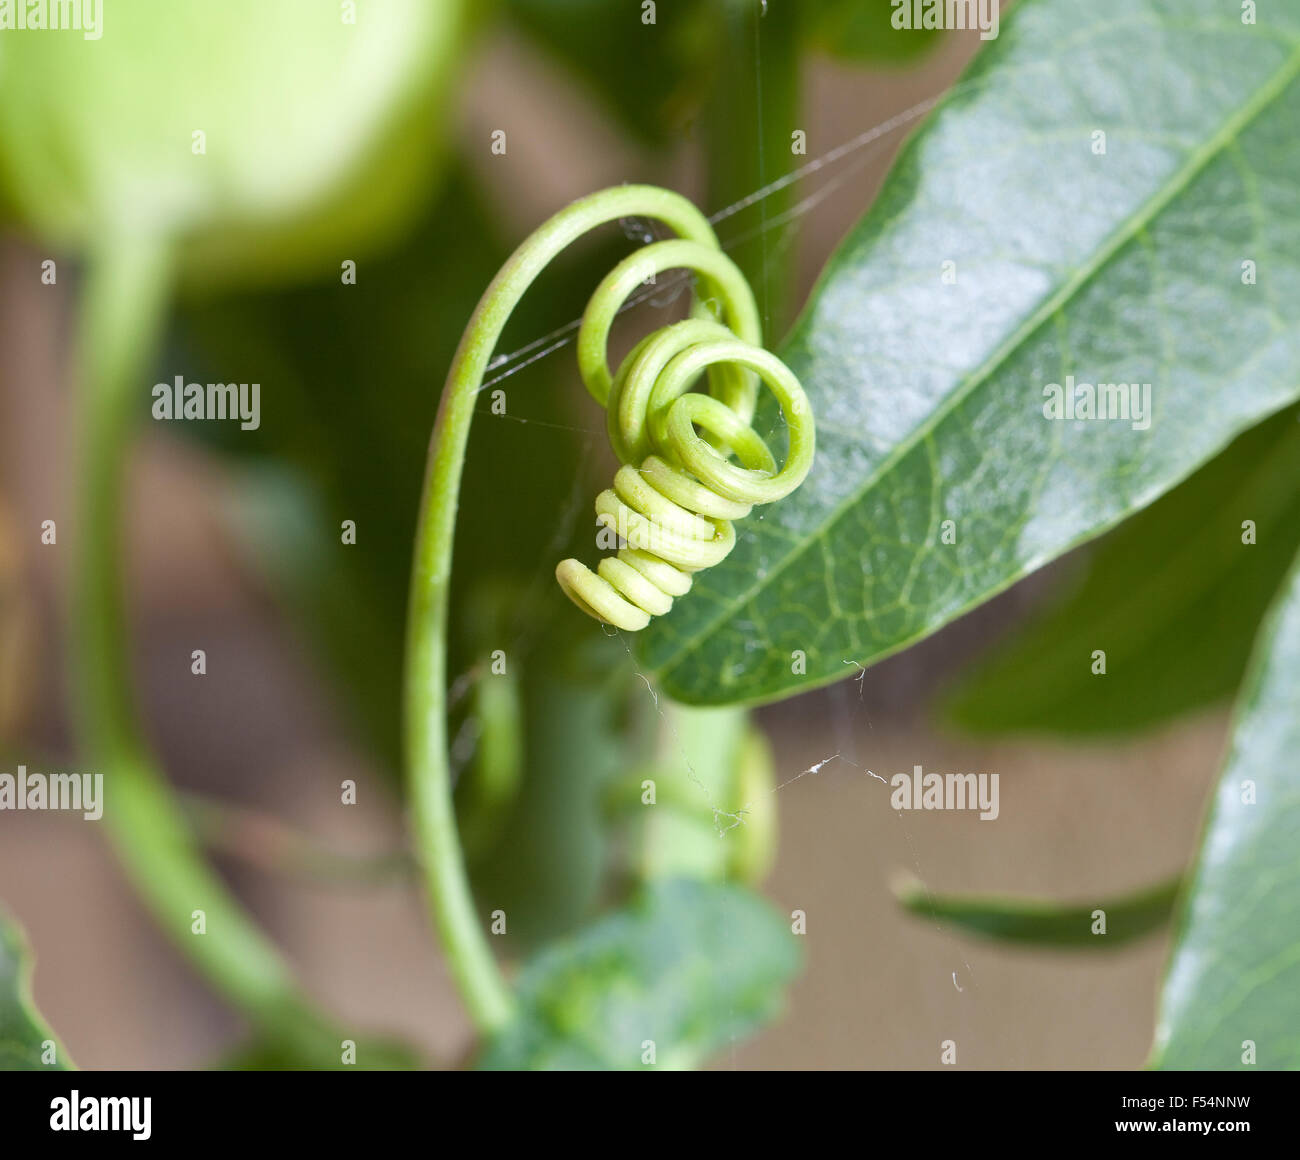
(1117, 267)
(1045, 923)
(690, 966)
(23, 1033)
(1232, 994)
(1173, 596)
(316, 131)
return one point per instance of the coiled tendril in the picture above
(653, 417)
(677, 493)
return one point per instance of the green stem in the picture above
(695, 779)
(124, 305)
(714, 817)
(438, 846)
(750, 115)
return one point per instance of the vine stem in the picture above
(464, 941)
(124, 304)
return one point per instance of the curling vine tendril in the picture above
(676, 495)
(674, 481)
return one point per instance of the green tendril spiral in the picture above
(687, 490)
(674, 500)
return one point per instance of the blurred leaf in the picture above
(306, 1043)
(1040, 922)
(689, 966)
(22, 1030)
(648, 75)
(1235, 971)
(929, 395)
(1172, 596)
(861, 30)
(319, 133)
(545, 865)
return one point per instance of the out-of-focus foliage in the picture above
(304, 1041)
(1232, 994)
(1173, 596)
(317, 134)
(655, 71)
(1041, 922)
(751, 120)
(350, 379)
(862, 31)
(546, 861)
(681, 972)
(650, 75)
(23, 1032)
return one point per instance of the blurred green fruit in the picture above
(262, 139)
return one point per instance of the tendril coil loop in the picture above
(675, 497)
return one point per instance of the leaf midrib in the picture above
(1228, 133)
